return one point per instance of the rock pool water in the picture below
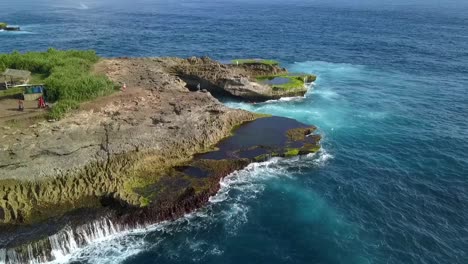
(277, 81)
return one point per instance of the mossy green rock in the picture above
(254, 141)
(285, 82)
(136, 184)
(254, 61)
(149, 193)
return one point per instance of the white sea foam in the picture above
(327, 94)
(107, 243)
(323, 157)
(285, 99)
(22, 31)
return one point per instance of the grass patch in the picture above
(3, 25)
(10, 92)
(62, 107)
(254, 61)
(37, 78)
(66, 74)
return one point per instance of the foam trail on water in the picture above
(285, 99)
(15, 32)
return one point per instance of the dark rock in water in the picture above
(12, 28)
(6, 27)
(166, 196)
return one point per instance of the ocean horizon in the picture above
(390, 102)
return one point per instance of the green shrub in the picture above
(62, 107)
(68, 75)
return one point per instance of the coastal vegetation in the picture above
(136, 163)
(286, 81)
(67, 75)
(10, 92)
(255, 61)
(3, 25)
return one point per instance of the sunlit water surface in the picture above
(391, 101)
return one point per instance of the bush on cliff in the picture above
(68, 75)
(62, 107)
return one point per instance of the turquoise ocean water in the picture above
(391, 101)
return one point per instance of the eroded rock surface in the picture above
(156, 117)
(232, 80)
(129, 155)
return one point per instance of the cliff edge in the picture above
(135, 155)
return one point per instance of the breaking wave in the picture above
(103, 242)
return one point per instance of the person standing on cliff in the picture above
(198, 87)
(21, 105)
(41, 102)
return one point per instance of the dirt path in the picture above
(9, 111)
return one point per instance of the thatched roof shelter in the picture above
(13, 77)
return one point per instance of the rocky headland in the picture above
(150, 153)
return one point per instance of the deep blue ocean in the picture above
(391, 101)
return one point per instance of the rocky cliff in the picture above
(131, 155)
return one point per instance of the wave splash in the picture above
(105, 242)
(61, 247)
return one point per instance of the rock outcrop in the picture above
(130, 156)
(155, 124)
(232, 80)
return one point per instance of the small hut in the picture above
(14, 77)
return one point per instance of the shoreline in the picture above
(132, 153)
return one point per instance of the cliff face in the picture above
(156, 123)
(130, 156)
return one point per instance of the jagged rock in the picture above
(242, 87)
